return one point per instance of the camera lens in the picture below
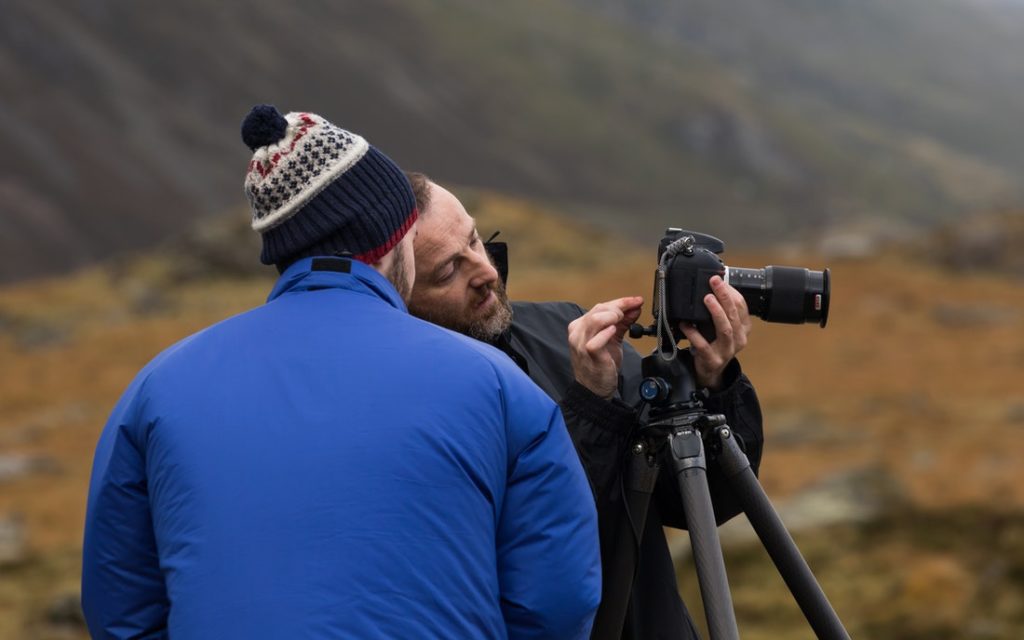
(793, 295)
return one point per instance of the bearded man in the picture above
(578, 357)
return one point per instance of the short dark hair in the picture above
(420, 189)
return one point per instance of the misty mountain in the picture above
(756, 120)
(947, 71)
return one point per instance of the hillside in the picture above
(757, 121)
(916, 68)
(893, 436)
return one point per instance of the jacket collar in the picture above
(322, 272)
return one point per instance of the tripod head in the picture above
(674, 403)
(668, 384)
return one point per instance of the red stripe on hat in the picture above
(265, 168)
(374, 255)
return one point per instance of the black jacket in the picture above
(603, 432)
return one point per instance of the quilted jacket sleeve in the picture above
(548, 559)
(123, 593)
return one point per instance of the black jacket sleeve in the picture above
(600, 430)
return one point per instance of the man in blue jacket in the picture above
(326, 465)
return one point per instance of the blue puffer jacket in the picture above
(327, 466)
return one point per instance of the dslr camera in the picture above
(686, 262)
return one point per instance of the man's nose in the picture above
(484, 272)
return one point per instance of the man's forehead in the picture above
(444, 230)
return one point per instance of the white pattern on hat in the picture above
(284, 176)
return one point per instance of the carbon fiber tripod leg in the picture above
(687, 452)
(777, 541)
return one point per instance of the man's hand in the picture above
(732, 326)
(595, 343)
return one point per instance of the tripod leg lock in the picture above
(731, 458)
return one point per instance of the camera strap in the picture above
(685, 245)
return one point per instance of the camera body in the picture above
(792, 295)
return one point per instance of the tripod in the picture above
(678, 427)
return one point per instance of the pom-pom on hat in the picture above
(317, 189)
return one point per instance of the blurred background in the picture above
(880, 138)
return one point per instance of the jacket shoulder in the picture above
(545, 318)
(552, 309)
(481, 353)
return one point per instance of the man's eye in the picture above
(445, 277)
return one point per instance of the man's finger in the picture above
(627, 302)
(600, 340)
(597, 321)
(723, 294)
(632, 315)
(694, 337)
(625, 310)
(724, 329)
(626, 305)
(736, 311)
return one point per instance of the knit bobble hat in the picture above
(317, 189)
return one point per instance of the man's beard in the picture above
(396, 274)
(497, 321)
(485, 329)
